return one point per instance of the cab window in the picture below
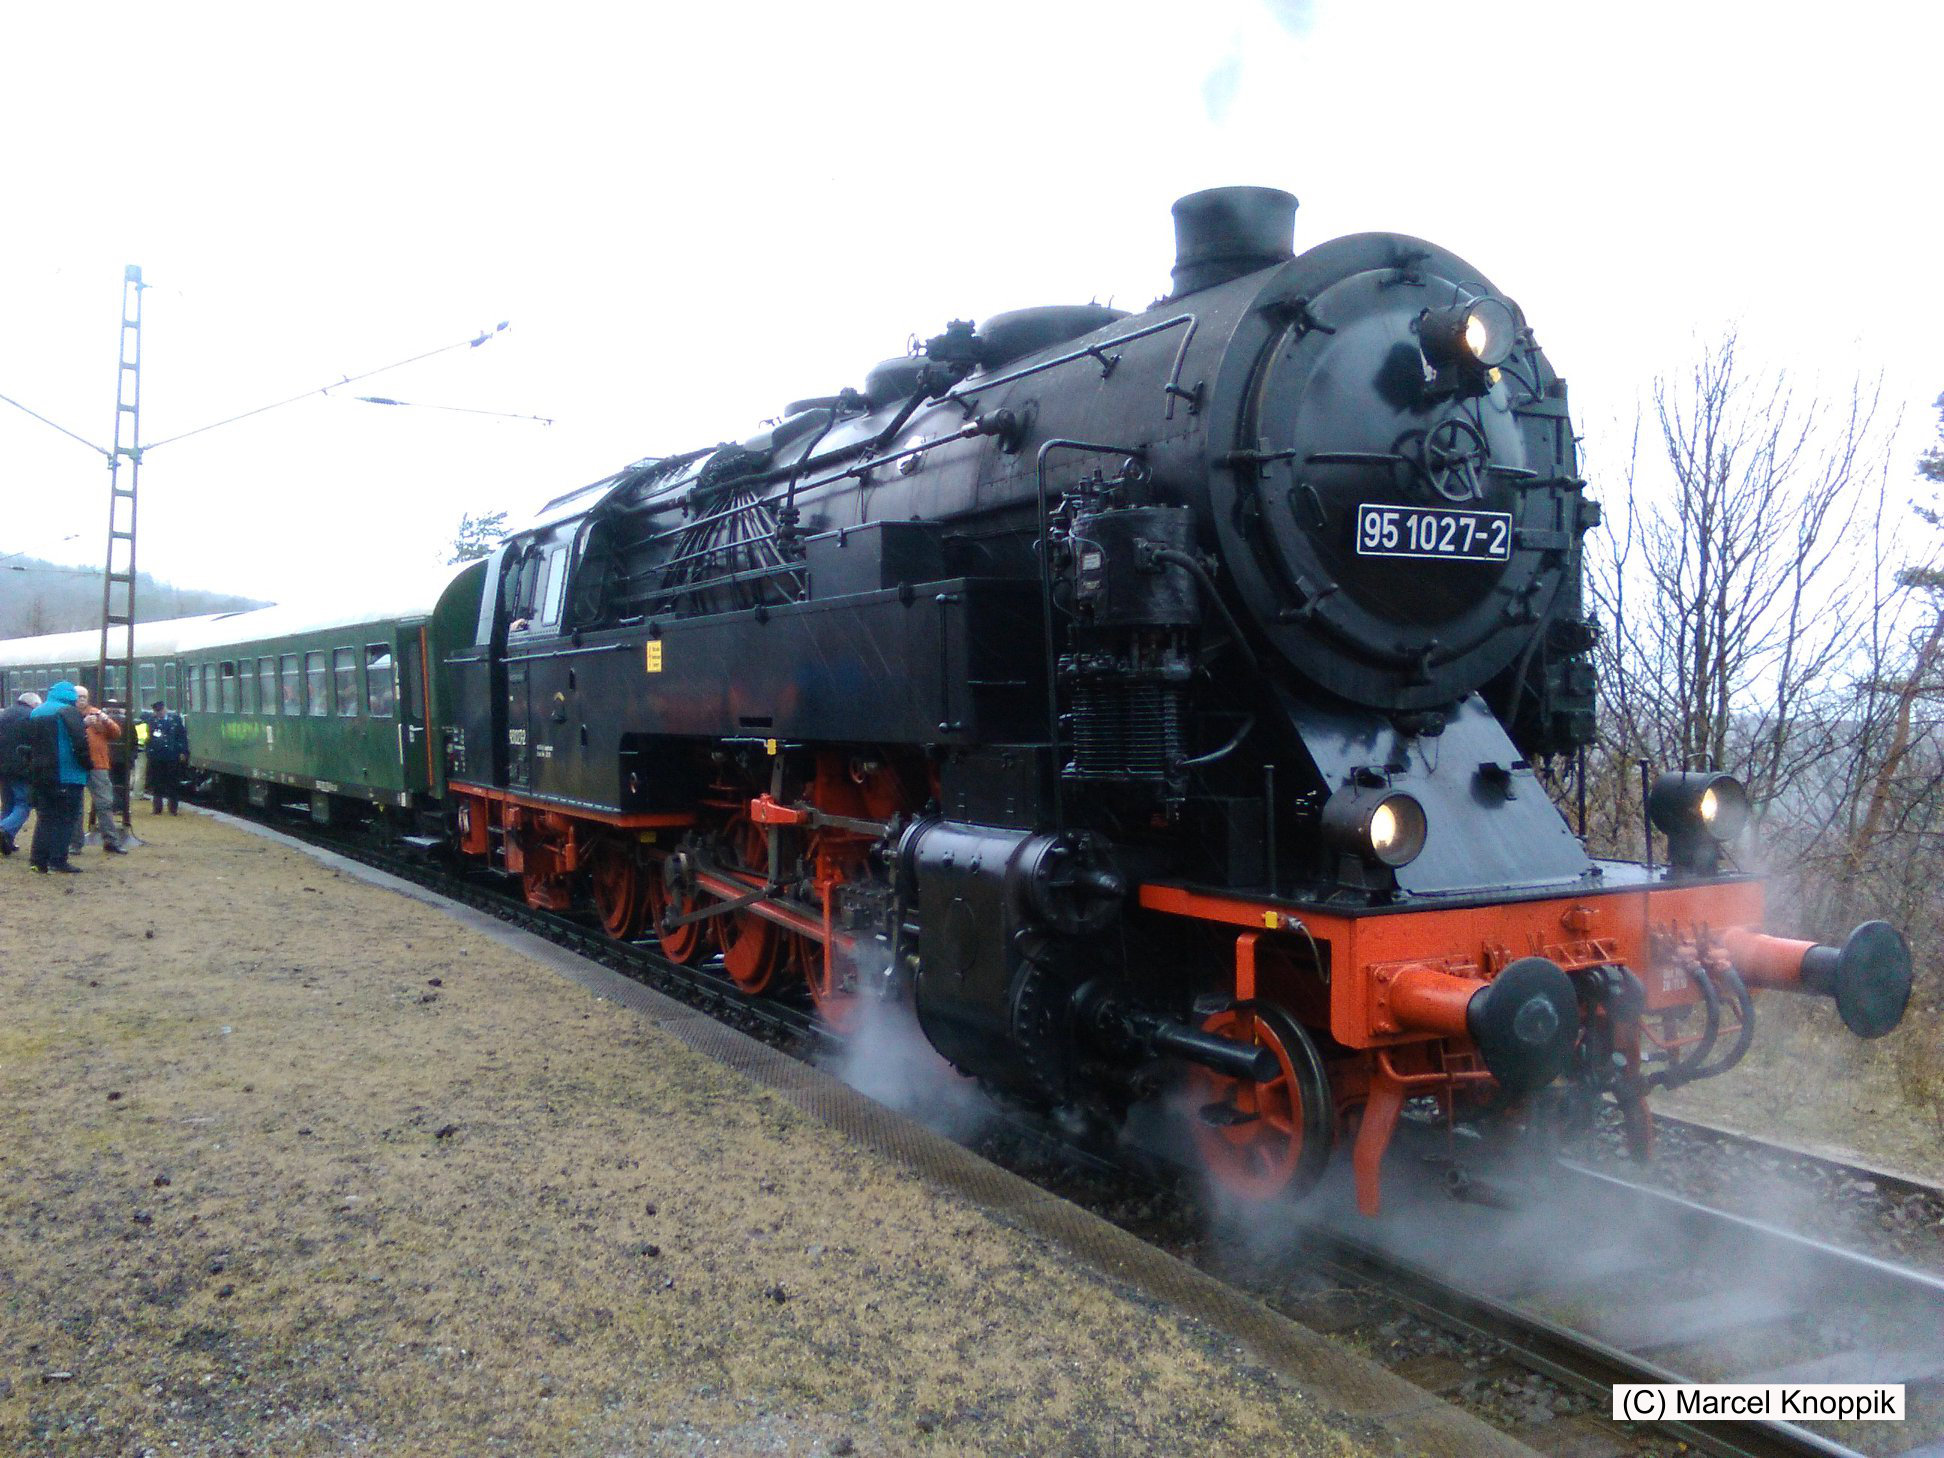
(555, 577)
(531, 589)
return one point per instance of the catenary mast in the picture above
(118, 608)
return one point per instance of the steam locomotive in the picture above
(1125, 693)
(1122, 688)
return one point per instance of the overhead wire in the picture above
(457, 409)
(473, 343)
(103, 450)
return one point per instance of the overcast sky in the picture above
(691, 215)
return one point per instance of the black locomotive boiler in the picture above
(1132, 692)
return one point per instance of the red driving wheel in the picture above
(687, 943)
(1270, 1139)
(620, 886)
(754, 949)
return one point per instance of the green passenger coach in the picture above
(287, 706)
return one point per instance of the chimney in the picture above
(1225, 232)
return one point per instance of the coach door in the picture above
(415, 742)
(517, 761)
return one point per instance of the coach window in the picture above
(293, 688)
(116, 689)
(193, 688)
(317, 688)
(245, 686)
(209, 700)
(267, 685)
(144, 685)
(344, 668)
(169, 700)
(227, 686)
(381, 687)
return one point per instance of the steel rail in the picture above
(1886, 1181)
(1570, 1358)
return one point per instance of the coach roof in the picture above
(161, 639)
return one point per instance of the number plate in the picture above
(1412, 531)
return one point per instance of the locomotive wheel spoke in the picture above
(684, 944)
(835, 1005)
(1268, 1139)
(754, 950)
(620, 890)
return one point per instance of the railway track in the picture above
(1594, 1280)
(1582, 1276)
(1882, 1181)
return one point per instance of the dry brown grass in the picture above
(228, 1211)
(1808, 1081)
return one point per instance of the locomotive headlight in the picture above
(1699, 812)
(1385, 826)
(1684, 802)
(1478, 335)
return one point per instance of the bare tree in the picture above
(1764, 610)
(1734, 585)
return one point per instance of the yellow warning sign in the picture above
(654, 655)
(1271, 920)
(770, 745)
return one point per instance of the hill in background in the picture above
(38, 597)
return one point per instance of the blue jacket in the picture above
(57, 729)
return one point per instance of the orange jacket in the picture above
(102, 732)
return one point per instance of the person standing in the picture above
(58, 737)
(168, 756)
(138, 757)
(16, 794)
(102, 731)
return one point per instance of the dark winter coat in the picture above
(168, 740)
(13, 742)
(58, 737)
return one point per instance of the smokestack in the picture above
(1225, 232)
